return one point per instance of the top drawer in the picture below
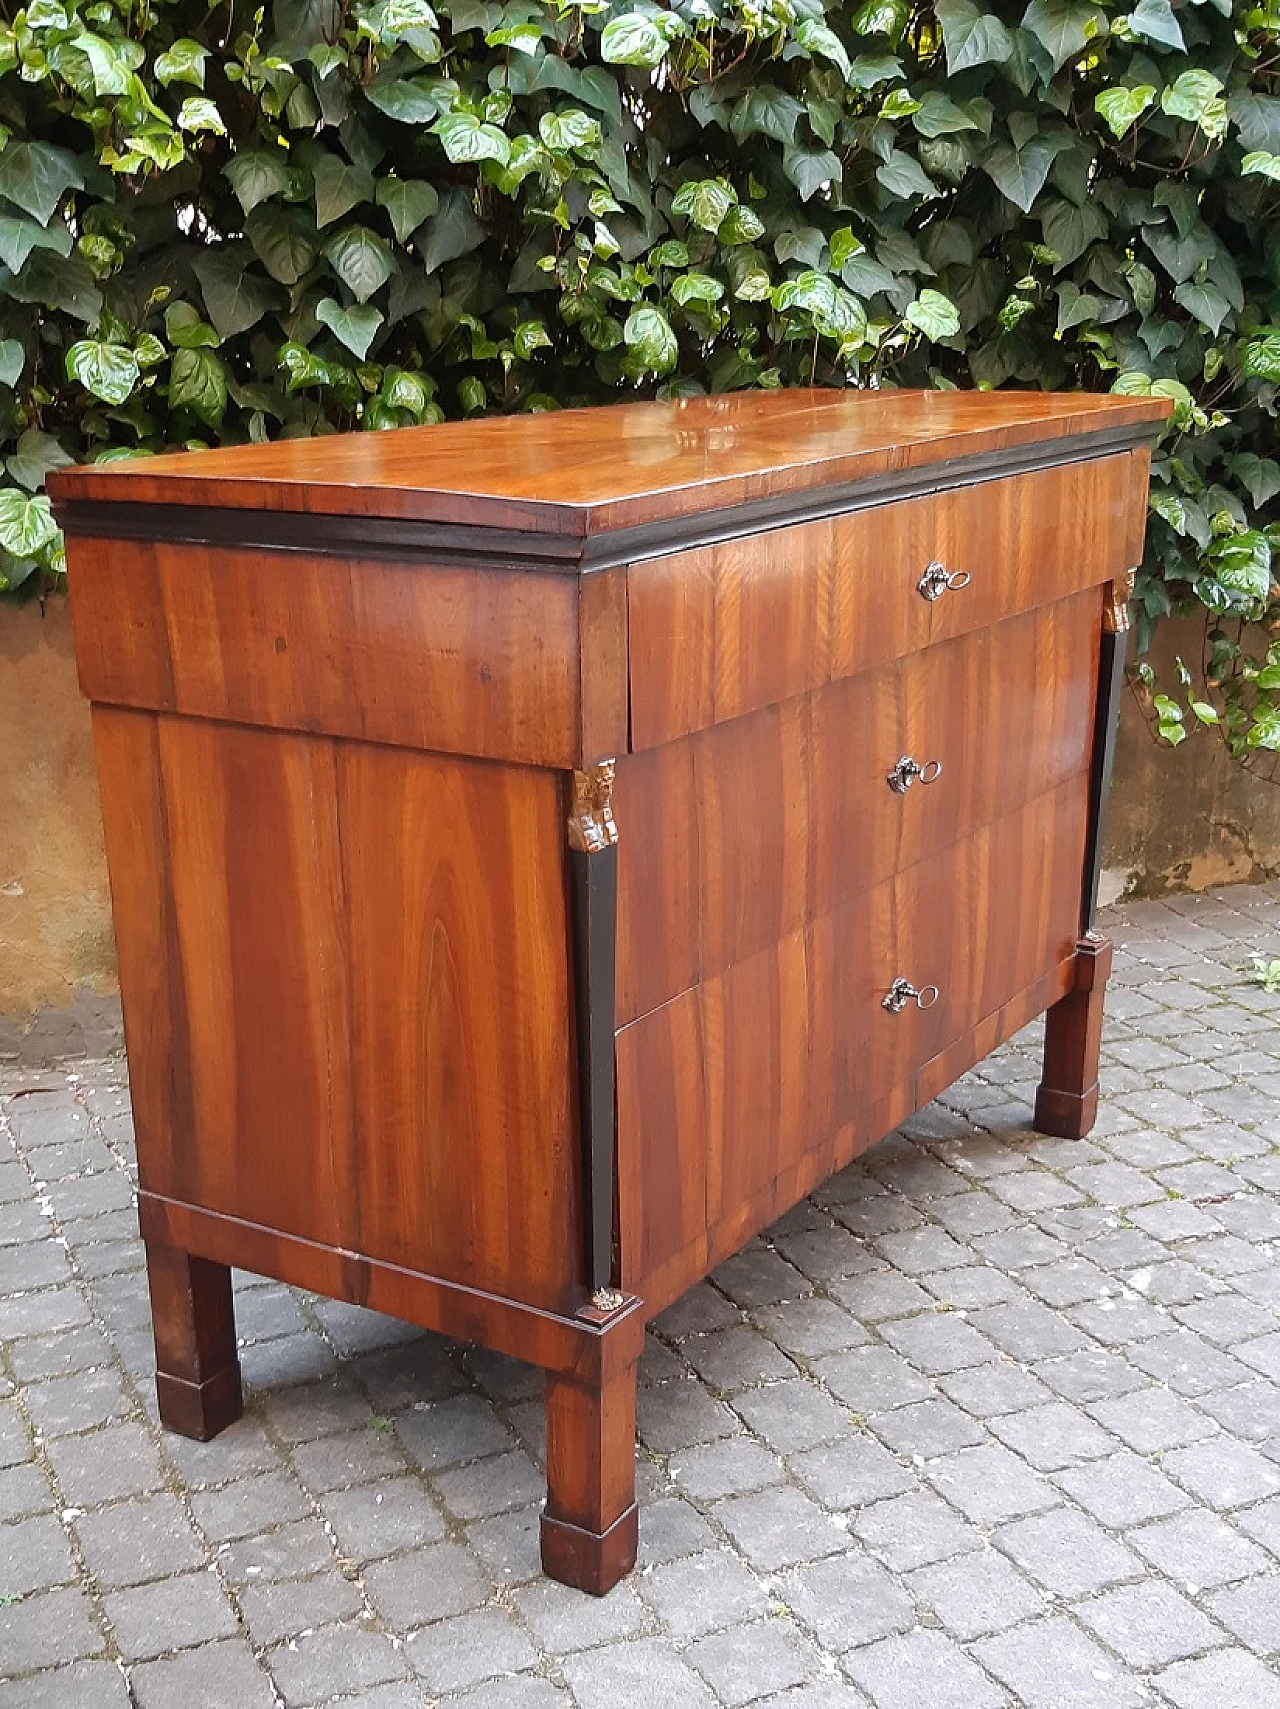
(722, 630)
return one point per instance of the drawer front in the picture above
(733, 1083)
(461, 660)
(741, 834)
(968, 929)
(722, 631)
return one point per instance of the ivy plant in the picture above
(305, 216)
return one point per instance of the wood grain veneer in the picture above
(506, 871)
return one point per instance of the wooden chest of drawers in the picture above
(542, 850)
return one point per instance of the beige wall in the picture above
(1188, 819)
(1185, 818)
(57, 961)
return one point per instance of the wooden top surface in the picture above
(578, 473)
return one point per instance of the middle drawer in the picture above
(740, 834)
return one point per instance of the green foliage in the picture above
(1265, 971)
(332, 214)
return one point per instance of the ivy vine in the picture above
(230, 224)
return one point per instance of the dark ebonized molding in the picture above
(498, 548)
(1110, 687)
(595, 926)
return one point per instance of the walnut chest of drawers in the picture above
(543, 849)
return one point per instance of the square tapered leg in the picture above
(1067, 1098)
(589, 1528)
(197, 1367)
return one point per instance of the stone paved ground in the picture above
(992, 1419)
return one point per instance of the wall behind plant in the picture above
(306, 216)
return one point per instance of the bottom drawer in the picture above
(968, 929)
(728, 1086)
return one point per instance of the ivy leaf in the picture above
(766, 111)
(36, 455)
(1076, 307)
(361, 260)
(109, 371)
(408, 202)
(1019, 172)
(26, 524)
(109, 62)
(182, 63)
(670, 253)
(880, 18)
(471, 394)
(34, 176)
(465, 139)
(185, 330)
(255, 175)
(748, 275)
(1242, 563)
(740, 225)
(902, 175)
(809, 290)
(1069, 230)
(568, 130)
(398, 16)
(199, 114)
(12, 359)
(811, 170)
(283, 239)
(696, 288)
(899, 104)
(452, 232)
(1154, 19)
(1197, 97)
(1121, 107)
(529, 336)
(234, 297)
(56, 283)
(405, 99)
(1064, 28)
(971, 37)
(632, 39)
(1260, 356)
(1205, 302)
(650, 340)
(355, 326)
(938, 115)
(198, 382)
(1257, 119)
(524, 38)
(1261, 164)
(869, 70)
(1260, 476)
(1264, 732)
(705, 201)
(306, 369)
(822, 42)
(19, 236)
(934, 315)
(339, 188)
(1181, 256)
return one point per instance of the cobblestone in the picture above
(991, 1420)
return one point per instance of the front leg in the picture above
(1067, 1098)
(590, 1525)
(197, 1366)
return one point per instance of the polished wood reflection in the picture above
(507, 876)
